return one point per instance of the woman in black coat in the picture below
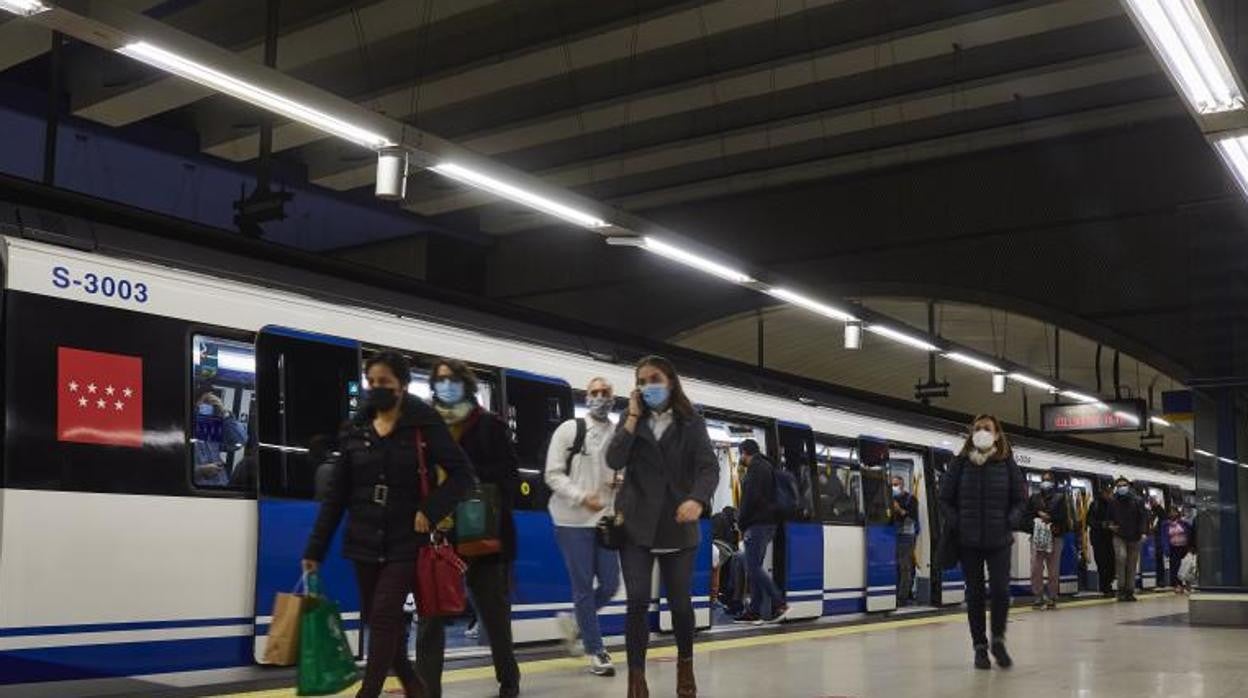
(375, 481)
(671, 474)
(983, 498)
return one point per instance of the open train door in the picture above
(949, 585)
(307, 386)
(881, 536)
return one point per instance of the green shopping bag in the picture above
(326, 662)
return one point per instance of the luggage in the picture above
(326, 662)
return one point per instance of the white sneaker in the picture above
(601, 664)
(567, 627)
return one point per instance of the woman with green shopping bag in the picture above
(374, 481)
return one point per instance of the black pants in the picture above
(1103, 552)
(383, 589)
(998, 562)
(489, 581)
(676, 570)
(1177, 553)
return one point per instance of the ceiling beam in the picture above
(22, 41)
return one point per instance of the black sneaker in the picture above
(782, 612)
(998, 652)
(748, 618)
(981, 657)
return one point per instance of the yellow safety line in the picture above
(546, 666)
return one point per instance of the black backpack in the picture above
(788, 494)
(578, 445)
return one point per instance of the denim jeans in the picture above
(586, 560)
(757, 538)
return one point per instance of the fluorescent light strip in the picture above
(1079, 397)
(215, 79)
(810, 304)
(1233, 149)
(1127, 417)
(902, 337)
(520, 196)
(1185, 43)
(690, 259)
(1160, 422)
(1201, 452)
(1033, 382)
(972, 362)
(25, 8)
(1226, 460)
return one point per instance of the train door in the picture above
(802, 573)
(1080, 495)
(306, 386)
(726, 431)
(948, 587)
(881, 537)
(1020, 562)
(534, 406)
(838, 507)
(1153, 550)
(909, 465)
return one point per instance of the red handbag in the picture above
(439, 571)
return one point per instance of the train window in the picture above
(876, 493)
(536, 406)
(797, 456)
(839, 486)
(726, 435)
(223, 444)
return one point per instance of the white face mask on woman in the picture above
(983, 439)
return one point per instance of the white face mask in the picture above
(983, 439)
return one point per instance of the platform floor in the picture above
(1087, 648)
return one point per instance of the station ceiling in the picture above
(1026, 156)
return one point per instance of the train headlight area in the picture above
(221, 400)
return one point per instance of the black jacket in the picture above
(660, 475)
(910, 510)
(378, 532)
(984, 503)
(487, 442)
(1055, 505)
(1099, 518)
(758, 494)
(1130, 515)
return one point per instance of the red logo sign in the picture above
(99, 398)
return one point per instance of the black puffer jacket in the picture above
(985, 503)
(378, 532)
(487, 442)
(1129, 514)
(758, 494)
(1055, 505)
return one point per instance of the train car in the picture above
(165, 417)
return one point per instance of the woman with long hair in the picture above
(983, 497)
(671, 474)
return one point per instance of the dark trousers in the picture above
(1103, 552)
(998, 563)
(676, 570)
(757, 538)
(489, 582)
(905, 567)
(1177, 553)
(383, 589)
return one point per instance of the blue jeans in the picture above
(585, 560)
(757, 538)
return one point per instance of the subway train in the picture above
(166, 408)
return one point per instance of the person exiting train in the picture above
(671, 473)
(1049, 510)
(1178, 537)
(758, 520)
(583, 492)
(1129, 522)
(484, 437)
(373, 480)
(904, 512)
(983, 495)
(1102, 538)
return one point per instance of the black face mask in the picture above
(381, 399)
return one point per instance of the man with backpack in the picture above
(758, 518)
(904, 513)
(583, 491)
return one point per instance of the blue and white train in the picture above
(140, 541)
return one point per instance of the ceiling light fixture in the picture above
(1202, 452)
(810, 304)
(1160, 422)
(24, 8)
(686, 258)
(512, 192)
(1033, 382)
(391, 174)
(902, 337)
(998, 382)
(1181, 36)
(973, 362)
(1226, 460)
(253, 94)
(1233, 149)
(1079, 397)
(853, 334)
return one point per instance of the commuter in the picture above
(982, 495)
(1047, 508)
(374, 480)
(671, 475)
(1129, 522)
(1178, 536)
(1102, 538)
(487, 442)
(583, 492)
(218, 434)
(728, 577)
(904, 512)
(758, 526)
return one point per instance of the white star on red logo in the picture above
(100, 404)
(109, 390)
(73, 386)
(119, 405)
(82, 402)
(128, 392)
(91, 388)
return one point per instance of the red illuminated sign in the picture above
(1119, 415)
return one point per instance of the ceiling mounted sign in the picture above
(1093, 417)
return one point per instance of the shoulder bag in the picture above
(439, 571)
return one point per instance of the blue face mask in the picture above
(1122, 490)
(206, 409)
(655, 395)
(449, 392)
(1046, 486)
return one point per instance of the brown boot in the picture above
(686, 686)
(637, 687)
